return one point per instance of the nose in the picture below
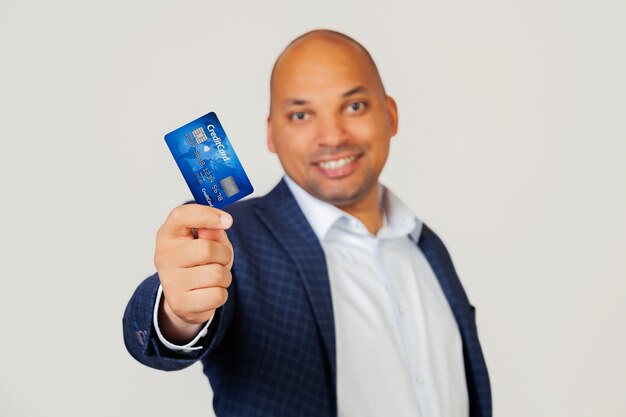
(330, 131)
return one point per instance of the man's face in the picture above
(330, 122)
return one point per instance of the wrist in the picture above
(173, 327)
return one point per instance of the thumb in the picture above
(217, 236)
(212, 234)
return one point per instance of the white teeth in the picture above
(337, 163)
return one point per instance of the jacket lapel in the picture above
(475, 369)
(441, 265)
(284, 219)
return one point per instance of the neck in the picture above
(368, 211)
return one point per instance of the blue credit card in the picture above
(208, 162)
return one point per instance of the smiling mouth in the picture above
(336, 163)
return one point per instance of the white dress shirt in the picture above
(399, 350)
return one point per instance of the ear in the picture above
(270, 139)
(392, 113)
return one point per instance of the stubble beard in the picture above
(347, 195)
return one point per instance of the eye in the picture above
(356, 106)
(298, 116)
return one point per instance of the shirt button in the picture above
(402, 308)
(420, 380)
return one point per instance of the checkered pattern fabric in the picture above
(270, 350)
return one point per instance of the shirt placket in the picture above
(399, 310)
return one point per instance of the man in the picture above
(327, 296)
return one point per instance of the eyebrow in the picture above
(294, 102)
(355, 90)
(302, 102)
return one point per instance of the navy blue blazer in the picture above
(270, 350)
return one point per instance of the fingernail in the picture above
(225, 219)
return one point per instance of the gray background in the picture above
(512, 146)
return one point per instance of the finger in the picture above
(190, 253)
(208, 276)
(205, 299)
(217, 235)
(184, 218)
(196, 306)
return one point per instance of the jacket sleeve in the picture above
(142, 341)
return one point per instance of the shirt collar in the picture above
(321, 215)
(399, 221)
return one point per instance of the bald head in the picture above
(319, 46)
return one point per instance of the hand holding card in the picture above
(194, 268)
